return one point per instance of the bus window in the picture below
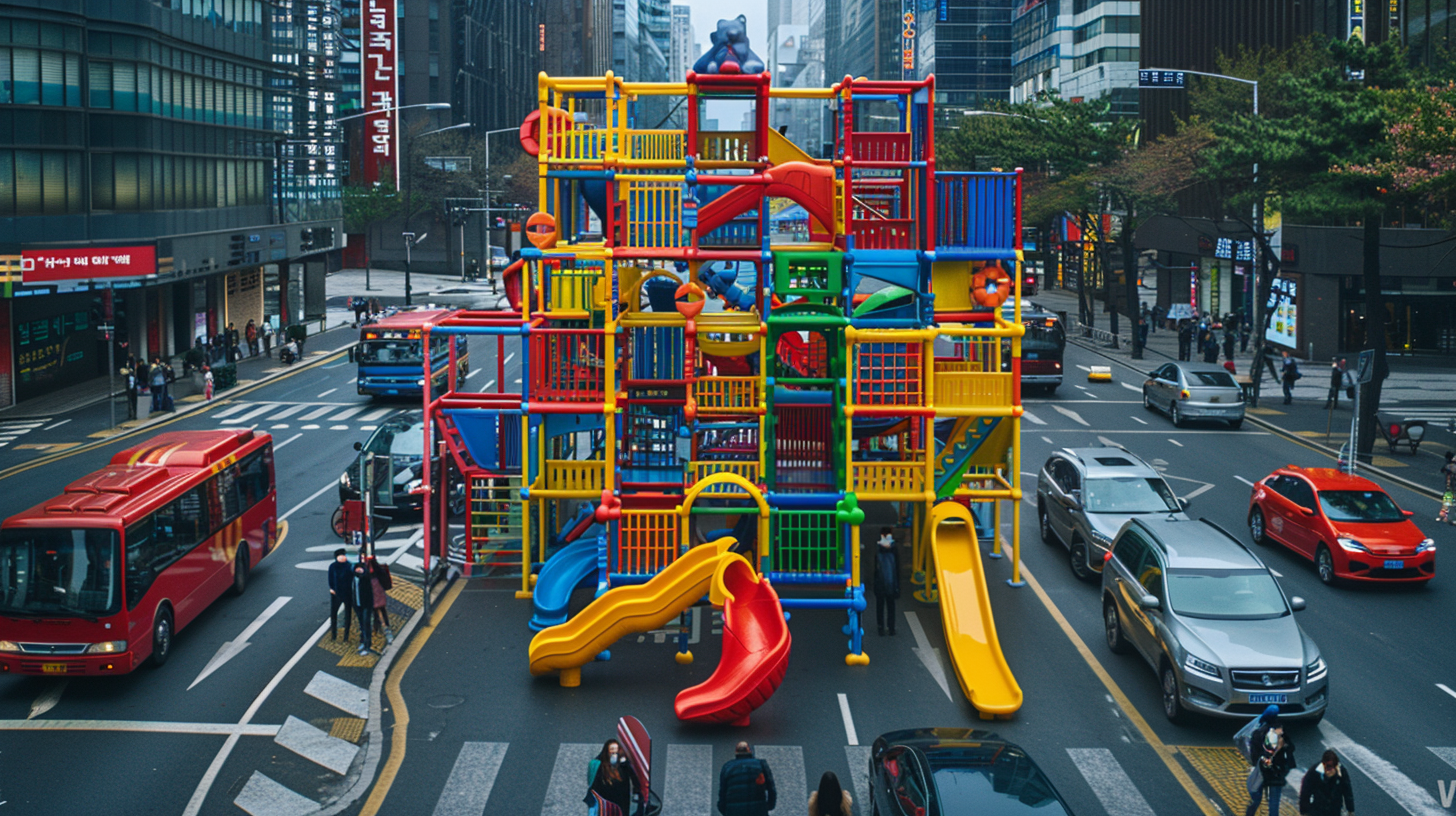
(1042, 337)
(59, 571)
(399, 352)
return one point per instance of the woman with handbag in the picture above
(382, 583)
(1275, 759)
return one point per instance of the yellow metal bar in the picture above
(996, 528)
(800, 93)
(853, 335)
(962, 330)
(525, 591)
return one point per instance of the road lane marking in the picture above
(1203, 803)
(257, 410)
(1447, 755)
(340, 694)
(346, 413)
(791, 781)
(1446, 688)
(140, 727)
(1276, 573)
(1108, 442)
(261, 796)
(1131, 387)
(47, 699)
(563, 792)
(1413, 798)
(289, 411)
(1084, 368)
(318, 413)
(1072, 415)
(1140, 420)
(1035, 420)
(490, 384)
(687, 788)
(338, 427)
(278, 445)
(468, 788)
(375, 416)
(55, 425)
(1198, 491)
(309, 427)
(326, 393)
(326, 488)
(927, 654)
(235, 647)
(1111, 784)
(473, 373)
(316, 746)
(850, 737)
(1245, 481)
(1048, 440)
(858, 757)
(227, 412)
(1176, 442)
(1164, 432)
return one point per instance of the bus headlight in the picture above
(9, 646)
(107, 647)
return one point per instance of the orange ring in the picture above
(991, 286)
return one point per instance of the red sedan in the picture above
(1346, 524)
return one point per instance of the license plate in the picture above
(1032, 356)
(53, 668)
(1395, 565)
(1268, 698)
(1213, 399)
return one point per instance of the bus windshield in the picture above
(1043, 336)
(399, 352)
(59, 571)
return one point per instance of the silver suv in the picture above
(1083, 495)
(1194, 391)
(1208, 616)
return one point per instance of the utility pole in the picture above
(410, 240)
(108, 328)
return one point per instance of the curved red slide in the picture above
(511, 278)
(808, 185)
(755, 653)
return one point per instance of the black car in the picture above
(956, 771)
(398, 448)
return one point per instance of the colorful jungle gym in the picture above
(708, 400)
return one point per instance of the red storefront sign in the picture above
(51, 265)
(380, 66)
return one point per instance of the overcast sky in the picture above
(707, 13)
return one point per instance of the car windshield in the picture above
(404, 437)
(405, 352)
(1371, 506)
(1221, 379)
(1227, 594)
(1128, 494)
(997, 781)
(60, 571)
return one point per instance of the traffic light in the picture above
(461, 217)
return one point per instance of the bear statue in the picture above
(729, 53)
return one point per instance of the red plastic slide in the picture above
(755, 653)
(808, 185)
(511, 278)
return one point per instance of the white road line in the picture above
(235, 647)
(340, 694)
(468, 788)
(346, 413)
(368, 427)
(262, 796)
(309, 427)
(1140, 420)
(1415, 799)
(47, 699)
(257, 410)
(1197, 491)
(1446, 688)
(1108, 442)
(140, 727)
(1048, 440)
(375, 416)
(1084, 368)
(1072, 415)
(489, 384)
(1131, 387)
(1111, 784)
(687, 788)
(791, 780)
(338, 427)
(1447, 755)
(858, 757)
(315, 414)
(278, 445)
(1245, 481)
(326, 393)
(563, 792)
(289, 411)
(1176, 442)
(1083, 387)
(927, 654)
(510, 357)
(473, 373)
(1276, 573)
(326, 488)
(226, 412)
(55, 425)
(315, 745)
(1035, 420)
(850, 737)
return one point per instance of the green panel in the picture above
(805, 541)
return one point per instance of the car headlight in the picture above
(414, 485)
(420, 382)
(1316, 670)
(107, 647)
(344, 478)
(1202, 668)
(1350, 545)
(9, 646)
(1429, 545)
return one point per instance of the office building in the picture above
(1077, 49)
(574, 37)
(966, 44)
(684, 51)
(794, 56)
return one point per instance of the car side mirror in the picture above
(1308, 511)
(1296, 603)
(1149, 602)
(358, 446)
(1183, 503)
(1408, 513)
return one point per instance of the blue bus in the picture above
(391, 360)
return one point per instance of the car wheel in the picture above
(1113, 625)
(1172, 708)
(1236, 424)
(1148, 401)
(240, 569)
(162, 637)
(1077, 557)
(1256, 526)
(1177, 415)
(1324, 563)
(1044, 525)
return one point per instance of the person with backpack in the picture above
(131, 392)
(1273, 754)
(1326, 788)
(158, 381)
(250, 334)
(746, 785)
(1289, 372)
(611, 781)
(830, 799)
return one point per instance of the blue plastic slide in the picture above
(572, 567)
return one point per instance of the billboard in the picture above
(1282, 303)
(87, 263)
(907, 40)
(379, 64)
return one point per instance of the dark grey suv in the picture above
(1210, 619)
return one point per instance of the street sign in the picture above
(1365, 367)
(1160, 79)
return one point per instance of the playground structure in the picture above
(691, 373)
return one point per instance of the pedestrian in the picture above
(158, 383)
(746, 785)
(250, 333)
(830, 799)
(169, 376)
(130, 382)
(1243, 332)
(207, 383)
(1273, 759)
(383, 582)
(361, 598)
(611, 779)
(1287, 375)
(1337, 382)
(1449, 497)
(1210, 347)
(1230, 336)
(887, 581)
(1326, 787)
(1144, 326)
(374, 307)
(340, 578)
(144, 376)
(1185, 340)
(268, 339)
(359, 305)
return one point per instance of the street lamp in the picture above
(409, 200)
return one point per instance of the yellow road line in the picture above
(1133, 715)
(401, 713)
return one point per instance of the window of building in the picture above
(1111, 24)
(1102, 55)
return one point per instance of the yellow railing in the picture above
(571, 289)
(589, 476)
(972, 389)
(657, 145)
(727, 146)
(868, 479)
(726, 395)
(702, 470)
(654, 213)
(577, 145)
(955, 366)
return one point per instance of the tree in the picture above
(368, 206)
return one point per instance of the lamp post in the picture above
(409, 202)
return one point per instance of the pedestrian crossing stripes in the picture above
(13, 429)
(1111, 784)
(280, 415)
(468, 787)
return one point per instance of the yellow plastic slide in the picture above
(626, 610)
(783, 151)
(965, 610)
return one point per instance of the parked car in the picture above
(952, 771)
(499, 258)
(398, 450)
(1028, 283)
(1083, 496)
(1346, 524)
(1210, 619)
(1187, 391)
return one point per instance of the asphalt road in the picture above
(484, 736)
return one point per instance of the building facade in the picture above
(1079, 49)
(967, 45)
(684, 48)
(146, 149)
(573, 37)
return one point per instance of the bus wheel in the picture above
(162, 637)
(240, 569)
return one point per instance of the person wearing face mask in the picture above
(1274, 759)
(887, 581)
(1326, 787)
(611, 780)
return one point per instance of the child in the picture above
(207, 383)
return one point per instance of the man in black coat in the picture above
(746, 785)
(1185, 340)
(341, 579)
(1326, 787)
(361, 597)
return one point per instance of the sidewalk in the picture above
(1409, 391)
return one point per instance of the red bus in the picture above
(101, 578)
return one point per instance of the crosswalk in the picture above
(306, 416)
(11, 430)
